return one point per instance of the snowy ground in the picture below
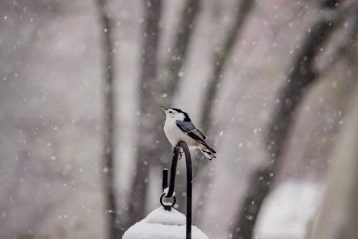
(287, 212)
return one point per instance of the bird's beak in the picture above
(164, 109)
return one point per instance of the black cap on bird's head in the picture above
(175, 111)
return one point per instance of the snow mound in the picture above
(287, 210)
(162, 216)
(162, 224)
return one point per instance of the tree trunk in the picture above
(148, 127)
(170, 79)
(220, 59)
(109, 128)
(299, 80)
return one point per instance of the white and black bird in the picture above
(178, 127)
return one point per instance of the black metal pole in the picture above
(165, 179)
(189, 180)
(173, 171)
(189, 183)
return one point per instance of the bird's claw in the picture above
(180, 154)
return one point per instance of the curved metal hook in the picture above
(170, 192)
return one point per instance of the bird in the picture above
(179, 127)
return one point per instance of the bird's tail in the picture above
(208, 151)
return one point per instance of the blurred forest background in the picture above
(272, 83)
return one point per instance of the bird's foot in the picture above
(181, 153)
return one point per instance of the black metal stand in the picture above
(170, 193)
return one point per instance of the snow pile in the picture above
(161, 216)
(288, 210)
(162, 224)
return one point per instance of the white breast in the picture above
(174, 134)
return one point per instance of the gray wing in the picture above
(188, 126)
(190, 129)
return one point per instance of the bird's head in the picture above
(176, 114)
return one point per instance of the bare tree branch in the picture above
(170, 79)
(344, 47)
(148, 125)
(220, 60)
(109, 128)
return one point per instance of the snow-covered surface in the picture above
(288, 210)
(161, 216)
(162, 224)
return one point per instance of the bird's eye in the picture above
(170, 111)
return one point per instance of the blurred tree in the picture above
(148, 122)
(109, 126)
(220, 59)
(302, 74)
(170, 78)
(337, 217)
